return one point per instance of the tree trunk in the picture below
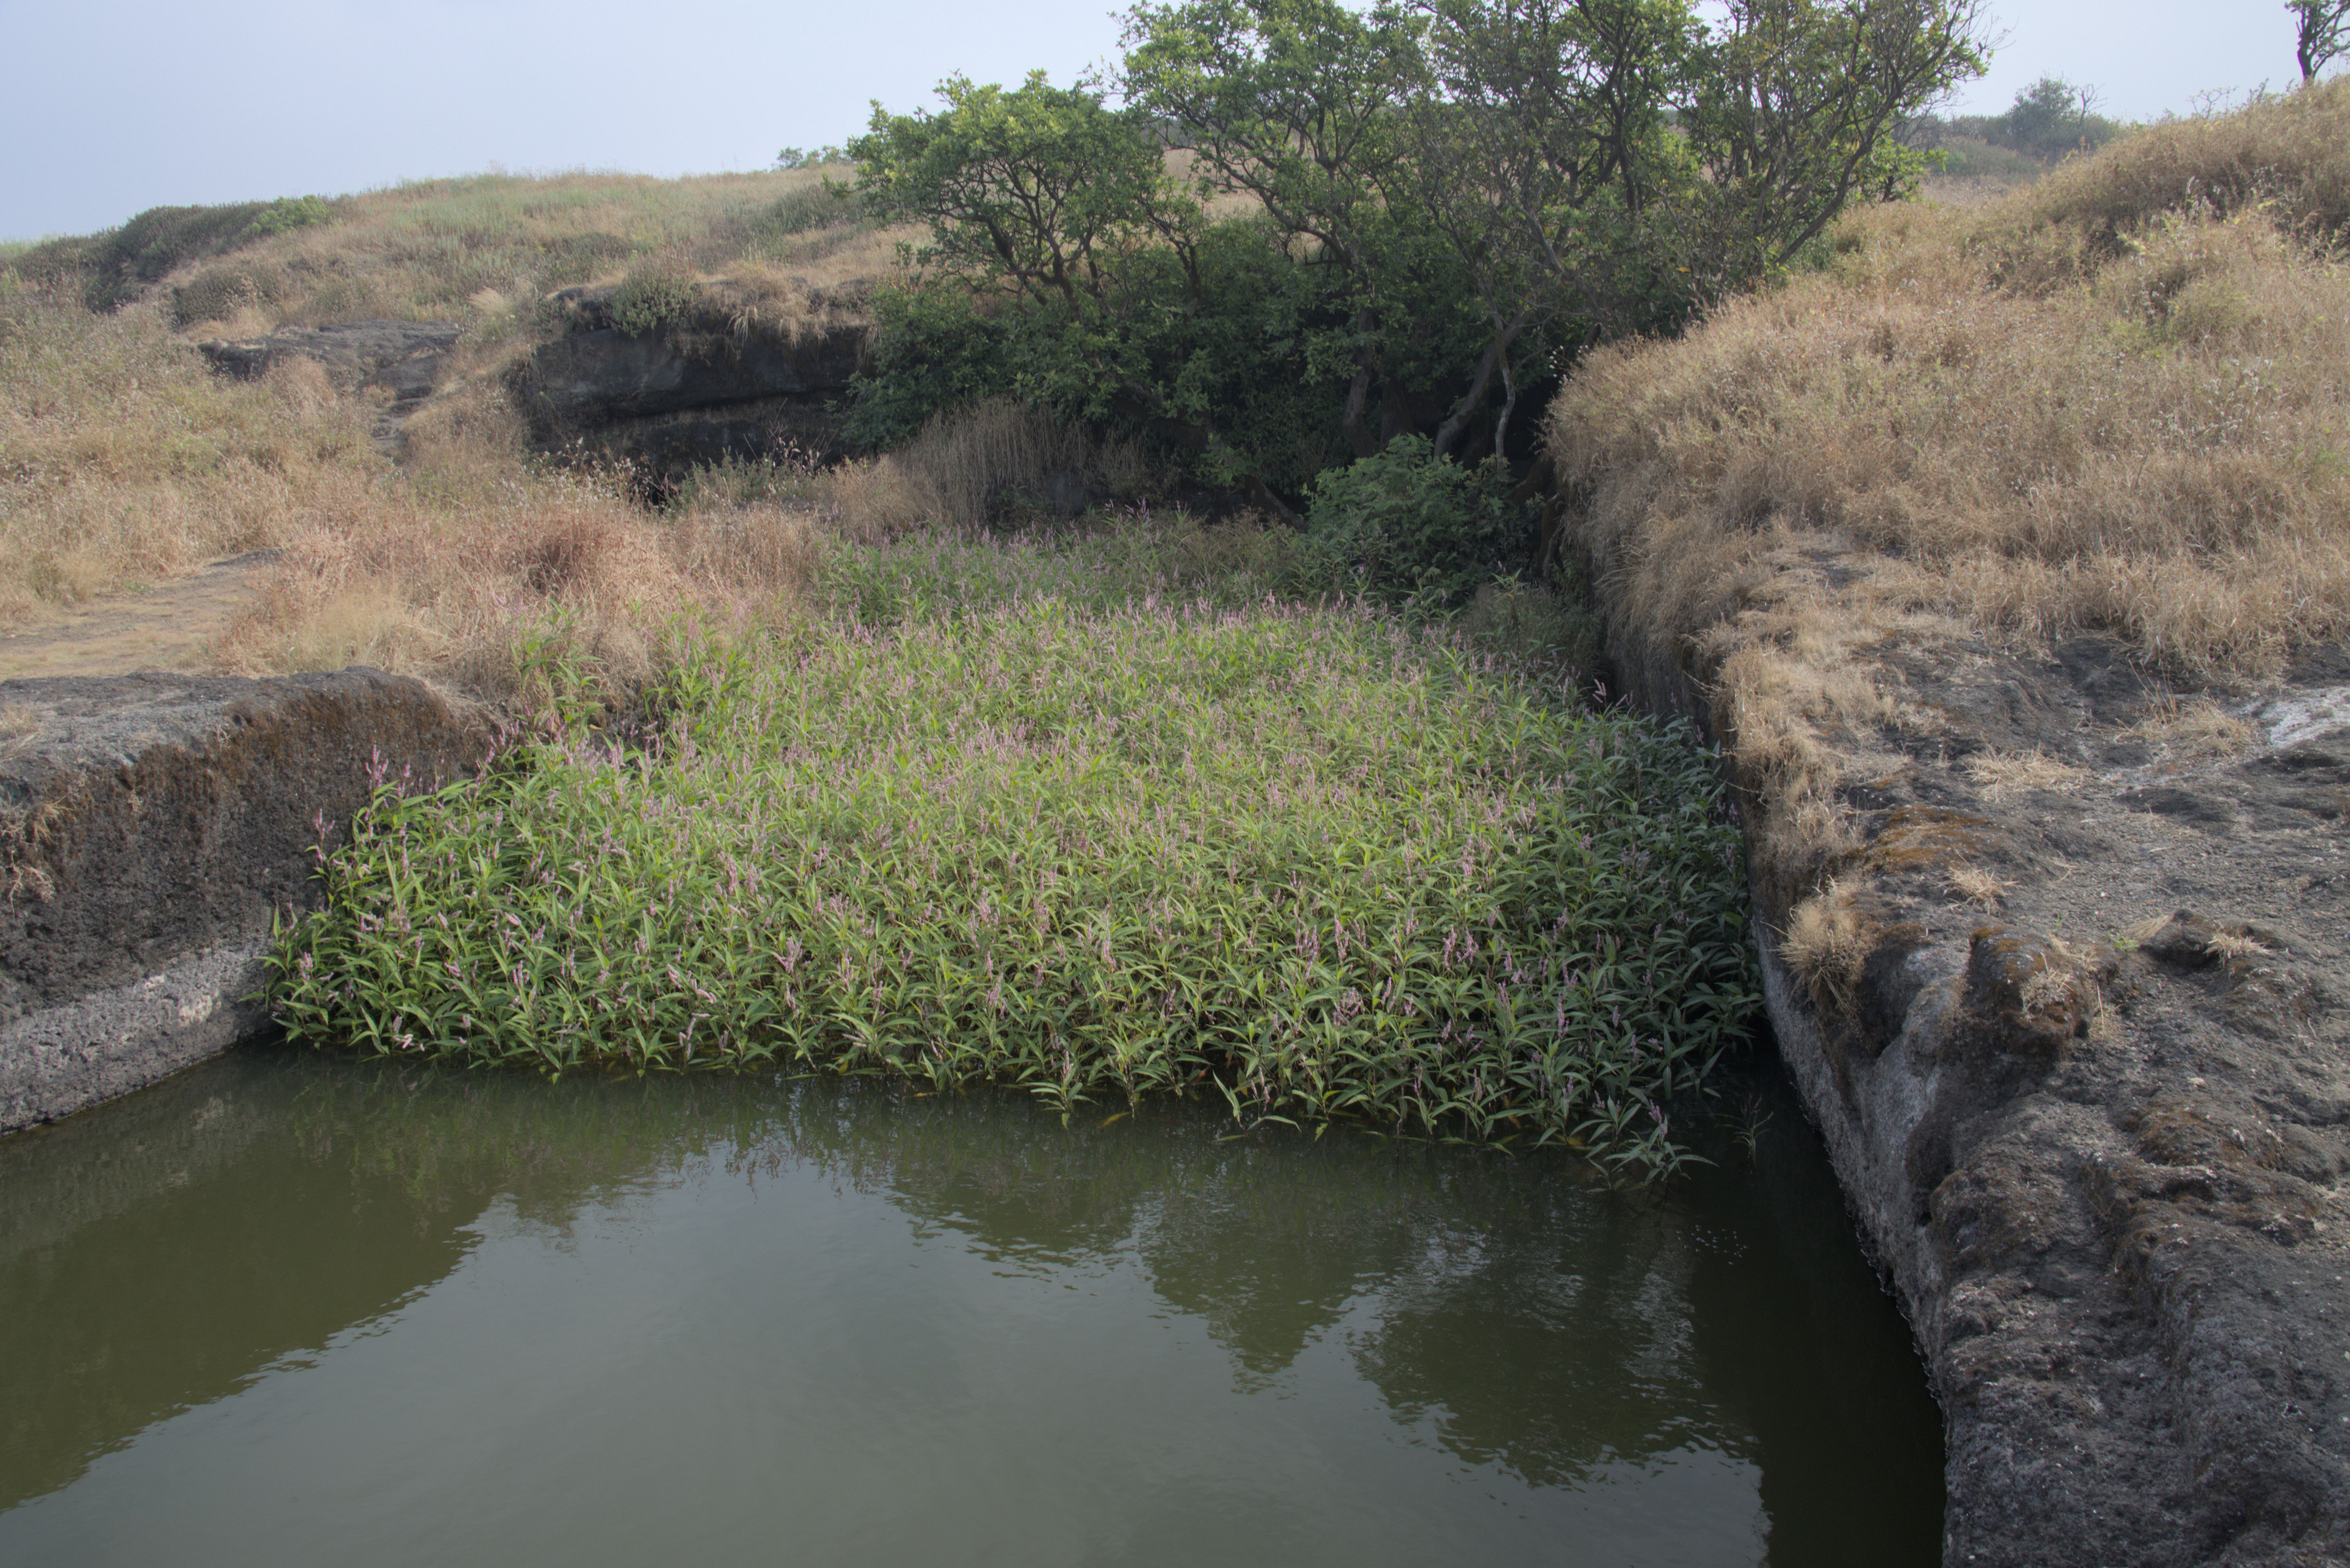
(1358, 394)
(1449, 433)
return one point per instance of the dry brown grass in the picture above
(2111, 403)
(452, 569)
(2162, 451)
(2237, 948)
(2198, 730)
(965, 469)
(1975, 885)
(122, 459)
(2288, 155)
(1826, 942)
(478, 249)
(456, 592)
(2003, 777)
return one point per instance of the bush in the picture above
(810, 207)
(1405, 525)
(934, 350)
(657, 294)
(116, 267)
(218, 291)
(1237, 363)
(1304, 859)
(288, 214)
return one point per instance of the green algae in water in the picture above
(289, 1308)
(1310, 859)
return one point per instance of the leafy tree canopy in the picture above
(1457, 194)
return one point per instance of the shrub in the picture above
(934, 350)
(1306, 860)
(1407, 525)
(287, 214)
(117, 266)
(810, 157)
(807, 207)
(219, 292)
(656, 294)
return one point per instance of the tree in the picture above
(1540, 144)
(1053, 195)
(1615, 162)
(1296, 104)
(1454, 193)
(1044, 188)
(2324, 28)
(2051, 118)
(1791, 114)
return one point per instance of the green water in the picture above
(289, 1310)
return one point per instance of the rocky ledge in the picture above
(405, 357)
(698, 392)
(155, 826)
(2068, 1006)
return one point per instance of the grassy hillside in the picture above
(124, 459)
(465, 250)
(2113, 402)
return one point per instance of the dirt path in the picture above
(174, 625)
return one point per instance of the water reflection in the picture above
(1528, 1326)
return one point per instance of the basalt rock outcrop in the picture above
(155, 826)
(408, 358)
(703, 389)
(2082, 1062)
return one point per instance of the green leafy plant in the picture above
(287, 214)
(1307, 860)
(656, 294)
(1408, 526)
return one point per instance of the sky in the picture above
(114, 106)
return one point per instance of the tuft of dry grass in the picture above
(2236, 948)
(2196, 731)
(1977, 886)
(2001, 776)
(973, 465)
(1826, 941)
(2061, 979)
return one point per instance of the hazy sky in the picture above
(109, 107)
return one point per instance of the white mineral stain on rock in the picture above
(2305, 715)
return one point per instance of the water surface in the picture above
(290, 1310)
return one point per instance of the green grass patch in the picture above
(1324, 864)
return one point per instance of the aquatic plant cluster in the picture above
(1326, 864)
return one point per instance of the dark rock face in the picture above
(155, 826)
(405, 357)
(2095, 1126)
(599, 375)
(665, 401)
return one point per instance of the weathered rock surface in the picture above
(155, 826)
(404, 357)
(676, 398)
(2094, 1122)
(598, 372)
